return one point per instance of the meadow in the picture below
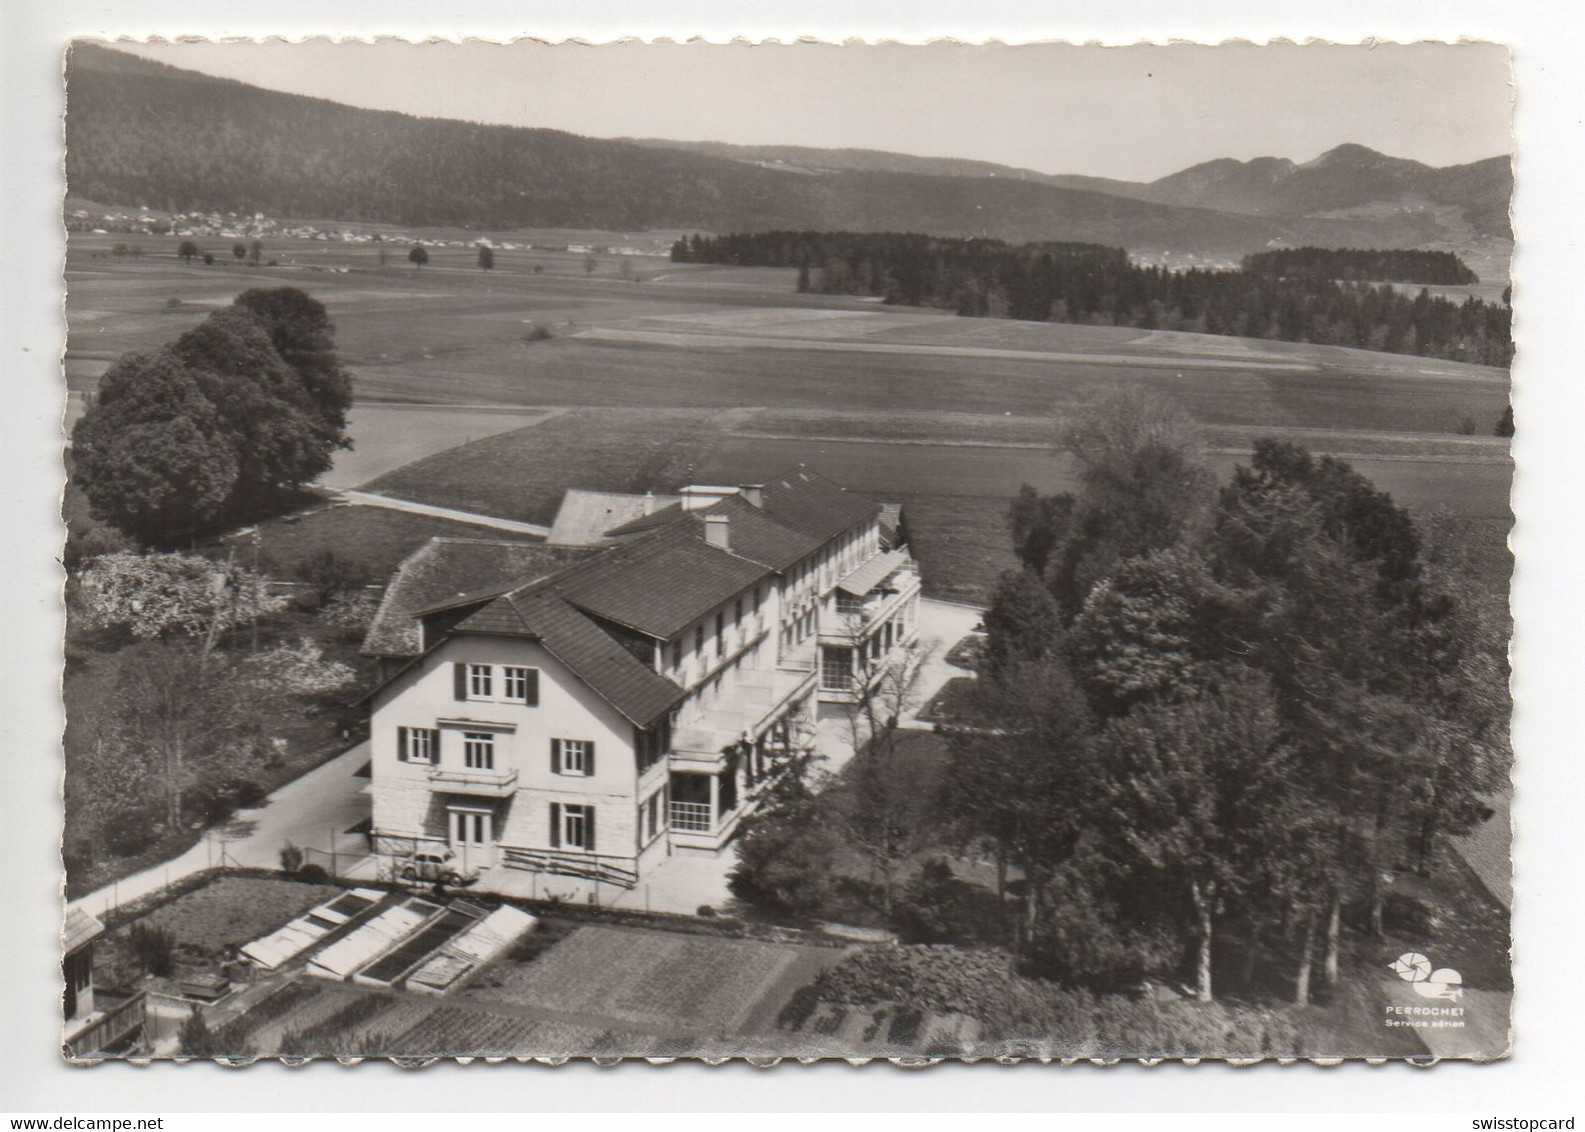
(656, 372)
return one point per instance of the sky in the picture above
(1134, 113)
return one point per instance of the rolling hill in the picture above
(140, 132)
(1348, 177)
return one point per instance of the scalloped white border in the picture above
(1548, 37)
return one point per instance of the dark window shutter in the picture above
(459, 680)
(588, 759)
(588, 828)
(531, 687)
(555, 825)
(401, 744)
(555, 756)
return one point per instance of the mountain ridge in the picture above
(145, 132)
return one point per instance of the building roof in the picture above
(585, 517)
(657, 581)
(867, 575)
(625, 682)
(810, 504)
(81, 929)
(668, 514)
(754, 535)
(661, 582)
(445, 570)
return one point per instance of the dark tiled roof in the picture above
(812, 505)
(637, 691)
(668, 514)
(660, 582)
(657, 581)
(445, 570)
(754, 535)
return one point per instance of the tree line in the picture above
(1390, 265)
(1222, 716)
(1209, 725)
(221, 426)
(1094, 285)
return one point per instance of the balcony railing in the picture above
(117, 1029)
(484, 783)
(692, 817)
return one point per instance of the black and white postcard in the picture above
(673, 550)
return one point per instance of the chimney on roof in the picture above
(715, 531)
(753, 492)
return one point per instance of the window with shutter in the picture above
(520, 685)
(577, 826)
(555, 825)
(401, 744)
(573, 756)
(459, 681)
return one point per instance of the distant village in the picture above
(258, 226)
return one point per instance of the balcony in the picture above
(479, 783)
(115, 1028)
(757, 699)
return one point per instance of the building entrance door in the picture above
(472, 836)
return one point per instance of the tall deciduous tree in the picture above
(418, 256)
(151, 453)
(239, 411)
(1144, 485)
(267, 414)
(302, 333)
(486, 258)
(1040, 524)
(1022, 786)
(1147, 632)
(1023, 622)
(1200, 792)
(181, 707)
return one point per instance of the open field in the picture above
(371, 541)
(530, 468)
(727, 373)
(389, 436)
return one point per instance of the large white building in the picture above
(631, 702)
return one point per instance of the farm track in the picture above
(370, 499)
(735, 341)
(1026, 446)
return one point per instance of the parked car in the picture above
(437, 864)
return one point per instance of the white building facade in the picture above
(636, 703)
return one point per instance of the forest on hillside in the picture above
(1099, 286)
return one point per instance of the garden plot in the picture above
(653, 980)
(213, 921)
